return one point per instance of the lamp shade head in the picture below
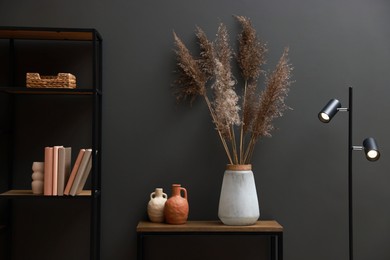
(371, 149)
(328, 112)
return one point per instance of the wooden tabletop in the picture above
(209, 226)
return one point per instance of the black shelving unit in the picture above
(48, 50)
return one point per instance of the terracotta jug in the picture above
(176, 208)
(156, 205)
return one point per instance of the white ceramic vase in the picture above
(156, 205)
(238, 203)
(37, 178)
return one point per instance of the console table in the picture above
(269, 228)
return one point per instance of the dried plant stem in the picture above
(234, 145)
(242, 125)
(241, 144)
(225, 146)
(250, 149)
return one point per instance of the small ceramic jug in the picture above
(156, 205)
(176, 208)
(37, 177)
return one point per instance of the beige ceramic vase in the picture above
(156, 205)
(176, 208)
(37, 178)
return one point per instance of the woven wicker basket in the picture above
(62, 80)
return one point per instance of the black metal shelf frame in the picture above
(13, 34)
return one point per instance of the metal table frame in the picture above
(268, 228)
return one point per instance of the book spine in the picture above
(64, 157)
(85, 175)
(80, 172)
(55, 170)
(74, 171)
(48, 172)
(68, 165)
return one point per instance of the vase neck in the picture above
(158, 192)
(239, 167)
(176, 189)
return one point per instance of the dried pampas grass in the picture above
(191, 81)
(210, 76)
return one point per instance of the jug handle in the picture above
(185, 192)
(164, 195)
(152, 195)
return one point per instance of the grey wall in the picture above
(301, 172)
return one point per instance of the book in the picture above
(74, 171)
(48, 172)
(55, 168)
(80, 172)
(64, 160)
(85, 175)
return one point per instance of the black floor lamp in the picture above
(369, 146)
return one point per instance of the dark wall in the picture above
(301, 172)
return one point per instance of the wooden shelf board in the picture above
(46, 91)
(46, 34)
(209, 226)
(28, 193)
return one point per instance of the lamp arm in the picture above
(357, 148)
(343, 109)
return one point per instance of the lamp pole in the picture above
(350, 201)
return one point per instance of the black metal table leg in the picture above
(280, 246)
(140, 245)
(273, 247)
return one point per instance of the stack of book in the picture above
(59, 178)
